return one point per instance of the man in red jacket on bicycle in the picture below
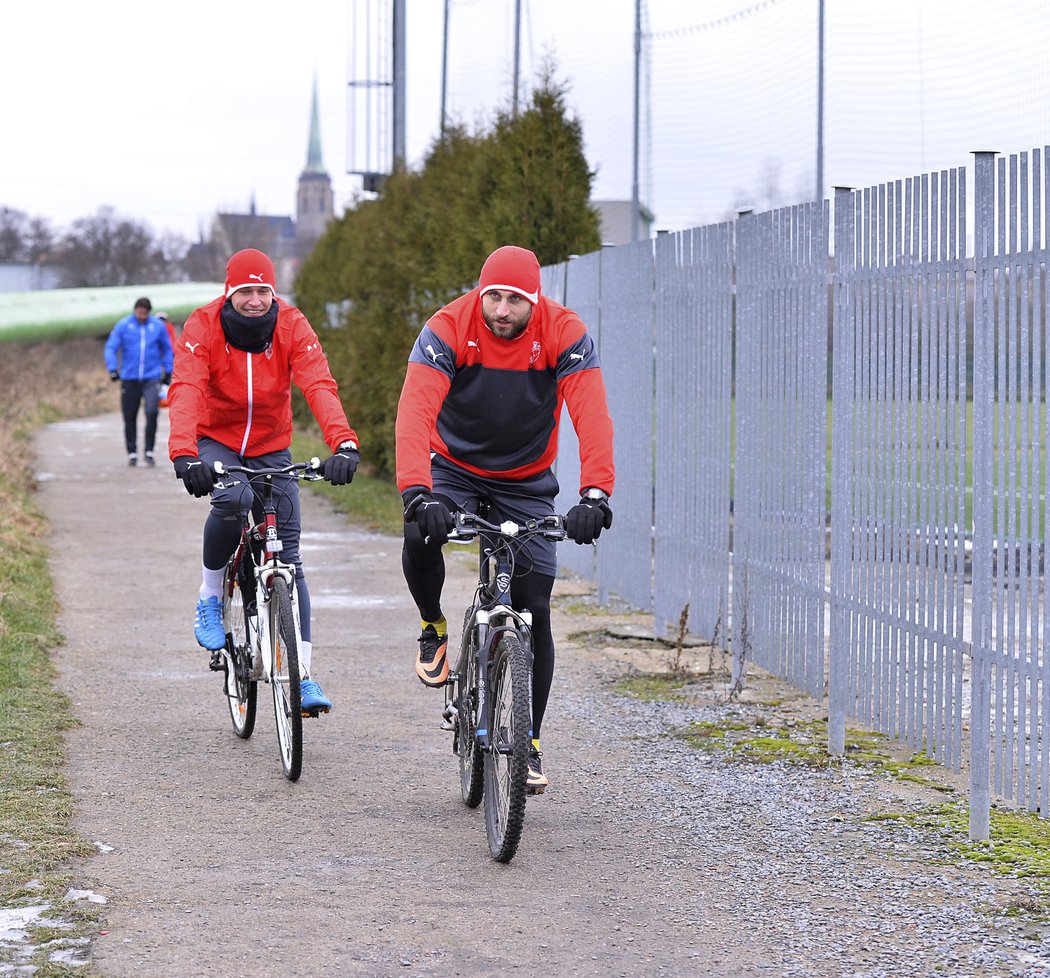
(478, 418)
(231, 400)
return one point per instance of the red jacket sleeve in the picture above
(189, 385)
(588, 407)
(421, 398)
(312, 375)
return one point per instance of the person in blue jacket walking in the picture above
(139, 354)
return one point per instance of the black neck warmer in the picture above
(249, 333)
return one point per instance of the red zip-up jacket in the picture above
(244, 400)
(493, 406)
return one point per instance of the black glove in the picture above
(197, 476)
(429, 514)
(166, 379)
(586, 520)
(339, 468)
(113, 375)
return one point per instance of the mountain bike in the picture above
(261, 617)
(488, 697)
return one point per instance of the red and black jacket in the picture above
(492, 406)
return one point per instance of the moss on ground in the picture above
(1019, 846)
(798, 742)
(652, 688)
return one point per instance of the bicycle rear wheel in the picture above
(241, 690)
(284, 680)
(471, 760)
(507, 760)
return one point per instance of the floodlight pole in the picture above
(444, 71)
(399, 84)
(635, 202)
(517, 53)
(820, 101)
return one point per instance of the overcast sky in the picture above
(171, 115)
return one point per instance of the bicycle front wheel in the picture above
(240, 624)
(471, 760)
(284, 680)
(507, 760)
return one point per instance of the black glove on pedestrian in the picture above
(166, 379)
(113, 375)
(196, 475)
(429, 514)
(586, 520)
(339, 468)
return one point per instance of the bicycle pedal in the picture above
(447, 724)
(315, 713)
(217, 663)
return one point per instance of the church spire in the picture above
(314, 201)
(314, 163)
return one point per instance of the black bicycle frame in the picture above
(495, 591)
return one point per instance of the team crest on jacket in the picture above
(535, 354)
(268, 352)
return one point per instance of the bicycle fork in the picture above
(263, 589)
(488, 637)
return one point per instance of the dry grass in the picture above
(43, 382)
(39, 382)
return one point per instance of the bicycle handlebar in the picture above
(469, 525)
(307, 470)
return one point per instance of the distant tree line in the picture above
(388, 263)
(104, 249)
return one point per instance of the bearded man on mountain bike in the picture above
(231, 400)
(478, 419)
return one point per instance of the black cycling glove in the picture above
(339, 468)
(113, 375)
(196, 475)
(431, 515)
(166, 379)
(586, 520)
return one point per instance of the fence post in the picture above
(842, 335)
(983, 382)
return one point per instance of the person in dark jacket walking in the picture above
(138, 353)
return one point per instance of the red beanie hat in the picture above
(249, 268)
(512, 269)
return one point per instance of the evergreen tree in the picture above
(387, 264)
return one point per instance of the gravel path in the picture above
(646, 856)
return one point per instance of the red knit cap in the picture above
(249, 268)
(512, 269)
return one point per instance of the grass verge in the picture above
(368, 501)
(37, 841)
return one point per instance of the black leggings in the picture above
(132, 393)
(424, 567)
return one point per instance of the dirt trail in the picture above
(636, 862)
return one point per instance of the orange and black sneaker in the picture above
(537, 782)
(432, 661)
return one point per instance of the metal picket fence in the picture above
(899, 527)
(1010, 749)
(781, 444)
(693, 394)
(932, 450)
